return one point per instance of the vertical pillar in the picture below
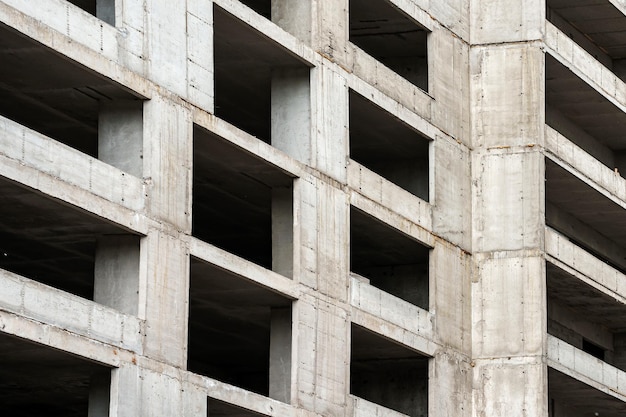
(291, 112)
(105, 10)
(280, 354)
(509, 311)
(282, 231)
(295, 17)
(116, 273)
(120, 135)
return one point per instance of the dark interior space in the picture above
(588, 218)
(229, 327)
(597, 26)
(219, 408)
(388, 374)
(244, 61)
(262, 7)
(569, 397)
(585, 317)
(87, 5)
(391, 260)
(52, 95)
(48, 241)
(584, 116)
(36, 380)
(389, 147)
(232, 197)
(392, 37)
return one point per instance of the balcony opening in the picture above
(388, 374)
(598, 27)
(387, 146)
(250, 70)
(584, 116)
(62, 246)
(239, 332)
(241, 203)
(588, 218)
(392, 37)
(389, 259)
(69, 103)
(585, 317)
(36, 380)
(569, 397)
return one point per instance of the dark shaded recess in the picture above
(51, 94)
(392, 261)
(48, 241)
(386, 145)
(36, 380)
(262, 7)
(229, 327)
(392, 37)
(232, 196)
(244, 60)
(87, 5)
(386, 373)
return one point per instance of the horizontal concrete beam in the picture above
(245, 269)
(365, 182)
(76, 34)
(585, 66)
(586, 368)
(584, 266)
(585, 167)
(53, 158)
(57, 308)
(249, 144)
(269, 29)
(364, 408)
(373, 72)
(390, 308)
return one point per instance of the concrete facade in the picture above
(238, 208)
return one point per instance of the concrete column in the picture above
(329, 34)
(291, 112)
(99, 395)
(120, 135)
(280, 354)
(282, 231)
(116, 273)
(105, 10)
(509, 306)
(296, 17)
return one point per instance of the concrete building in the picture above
(299, 208)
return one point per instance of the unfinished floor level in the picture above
(313, 208)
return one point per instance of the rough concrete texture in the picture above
(330, 208)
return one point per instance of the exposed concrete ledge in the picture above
(584, 266)
(269, 29)
(73, 195)
(57, 308)
(373, 72)
(248, 143)
(92, 43)
(421, 123)
(602, 178)
(392, 317)
(586, 168)
(364, 408)
(245, 269)
(585, 66)
(388, 194)
(586, 368)
(69, 165)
